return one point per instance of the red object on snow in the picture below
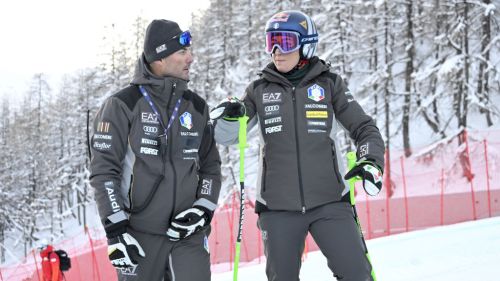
(50, 265)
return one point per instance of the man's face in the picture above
(177, 64)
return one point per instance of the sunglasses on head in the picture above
(184, 38)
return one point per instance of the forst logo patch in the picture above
(186, 120)
(316, 93)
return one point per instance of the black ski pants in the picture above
(334, 230)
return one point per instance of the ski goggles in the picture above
(286, 41)
(184, 38)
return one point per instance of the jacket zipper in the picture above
(170, 156)
(301, 188)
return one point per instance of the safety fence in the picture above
(446, 183)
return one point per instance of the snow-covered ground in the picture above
(465, 251)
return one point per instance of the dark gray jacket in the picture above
(137, 178)
(300, 167)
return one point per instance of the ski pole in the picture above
(351, 162)
(242, 143)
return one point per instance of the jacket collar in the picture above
(318, 66)
(161, 88)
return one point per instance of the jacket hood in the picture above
(161, 87)
(318, 66)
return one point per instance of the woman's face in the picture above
(285, 62)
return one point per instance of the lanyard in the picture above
(157, 113)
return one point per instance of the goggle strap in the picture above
(309, 39)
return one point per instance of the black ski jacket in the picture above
(300, 164)
(136, 174)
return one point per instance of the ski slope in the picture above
(465, 251)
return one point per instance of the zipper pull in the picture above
(303, 209)
(173, 88)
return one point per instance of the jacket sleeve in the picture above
(361, 127)
(226, 131)
(109, 145)
(209, 172)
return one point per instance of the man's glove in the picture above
(229, 108)
(370, 174)
(188, 222)
(119, 249)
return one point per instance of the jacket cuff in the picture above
(116, 224)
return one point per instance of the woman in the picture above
(297, 103)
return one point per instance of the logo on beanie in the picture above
(161, 48)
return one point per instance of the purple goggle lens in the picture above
(286, 41)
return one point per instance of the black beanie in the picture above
(158, 41)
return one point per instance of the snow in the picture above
(465, 251)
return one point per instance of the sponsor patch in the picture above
(304, 24)
(149, 151)
(316, 114)
(109, 185)
(189, 134)
(271, 97)
(315, 106)
(316, 123)
(273, 129)
(161, 48)
(363, 150)
(316, 131)
(149, 117)
(281, 17)
(194, 150)
(129, 271)
(150, 130)
(149, 141)
(103, 137)
(206, 187)
(272, 109)
(272, 120)
(103, 127)
(102, 145)
(316, 93)
(186, 120)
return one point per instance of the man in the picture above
(155, 167)
(50, 263)
(297, 103)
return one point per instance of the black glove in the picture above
(230, 108)
(188, 222)
(119, 249)
(370, 174)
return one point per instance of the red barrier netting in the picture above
(446, 183)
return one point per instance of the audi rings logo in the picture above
(150, 129)
(271, 108)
